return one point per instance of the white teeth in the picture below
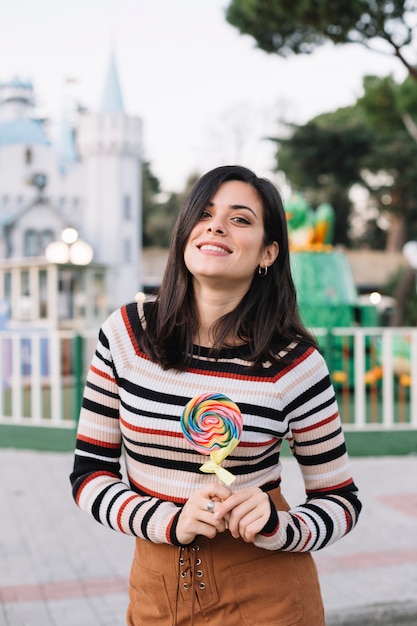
(214, 248)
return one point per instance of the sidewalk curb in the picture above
(400, 614)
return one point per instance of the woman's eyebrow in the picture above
(243, 206)
(236, 206)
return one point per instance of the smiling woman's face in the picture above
(227, 243)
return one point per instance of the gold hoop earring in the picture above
(262, 271)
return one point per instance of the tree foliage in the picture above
(323, 160)
(394, 153)
(159, 210)
(366, 143)
(150, 190)
(286, 27)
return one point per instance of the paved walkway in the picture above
(60, 568)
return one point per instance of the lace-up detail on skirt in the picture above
(223, 582)
(190, 577)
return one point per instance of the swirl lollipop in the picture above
(212, 424)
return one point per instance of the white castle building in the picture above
(88, 180)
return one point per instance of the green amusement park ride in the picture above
(326, 291)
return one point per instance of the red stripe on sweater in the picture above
(98, 442)
(88, 480)
(349, 521)
(102, 374)
(331, 488)
(265, 379)
(131, 334)
(178, 435)
(232, 375)
(317, 425)
(122, 508)
(168, 531)
(156, 494)
(309, 534)
(150, 431)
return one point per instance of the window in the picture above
(7, 286)
(128, 251)
(35, 241)
(127, 208)
(46, 237)
(31, 243)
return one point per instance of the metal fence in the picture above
(42, 375)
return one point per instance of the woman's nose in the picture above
(214, 226)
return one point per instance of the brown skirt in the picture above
(223, 582)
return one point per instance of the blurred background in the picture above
(110, 111)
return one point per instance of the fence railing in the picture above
(374, 371)
(42, 375)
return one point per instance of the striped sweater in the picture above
(130, 403)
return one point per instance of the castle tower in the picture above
(16, 123)
(110, 146)
(16, 100)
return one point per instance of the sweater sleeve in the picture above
(317, 442)
(97, 482)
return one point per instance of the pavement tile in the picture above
(61, 568)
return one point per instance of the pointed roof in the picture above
(112, 100)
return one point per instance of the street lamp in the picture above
(70, 249)
(71, 253)
(410, 253)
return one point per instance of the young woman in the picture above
(225, 321)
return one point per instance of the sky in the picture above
(206, 95)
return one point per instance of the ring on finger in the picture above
(210, 506)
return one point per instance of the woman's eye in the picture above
(241, 220)
(204, 215)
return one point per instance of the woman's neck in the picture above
(211, 306)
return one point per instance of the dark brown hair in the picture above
(267, 316)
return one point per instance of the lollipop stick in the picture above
(216, 457)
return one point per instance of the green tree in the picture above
(368, 144)
(285, 27)
(402, 287)
(393, 159)
(323, 159)
(160, 210)
(150, 190)
(159, 225)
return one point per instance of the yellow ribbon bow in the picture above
(216, 457)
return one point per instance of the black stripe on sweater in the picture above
(150, 394)
(317, 440)
(134, 512)
(324, 457)
(100, 409)
(186, 466)
(326, 519)
(95, 509)
(101, 390)
(147, 517)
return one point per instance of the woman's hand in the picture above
(246, 512)
(196, 519)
